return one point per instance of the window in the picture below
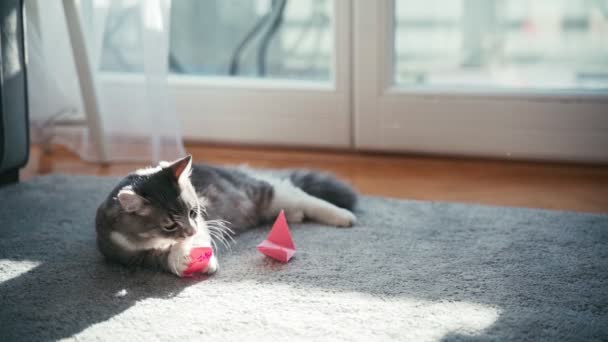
(255, 71)
(273, 39)
(508, 78)
(510, 44)
(276, 39)
(499, 78)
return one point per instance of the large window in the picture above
(515, 44)
(500, 78)
(252, 71)
(276, 39)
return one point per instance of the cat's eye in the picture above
(170, 228)
(193, 213)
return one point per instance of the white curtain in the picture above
(137, 118)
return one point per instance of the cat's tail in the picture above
(326, 187)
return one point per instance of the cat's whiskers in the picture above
(219, 231)
(221, 228)
(220, 238)
(221, 234)
(213, 244)
(221, 225)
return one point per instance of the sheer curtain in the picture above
(134, 118)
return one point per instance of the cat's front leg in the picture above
(178, 258)
(213, 265)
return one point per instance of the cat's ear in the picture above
(181, 167)
(130, 201)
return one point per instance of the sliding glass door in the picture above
(255, 71)
(500, 78)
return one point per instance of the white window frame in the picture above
(505, 124)
(266, 111)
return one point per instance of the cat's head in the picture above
(159, 207)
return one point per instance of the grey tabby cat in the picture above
(154, 216)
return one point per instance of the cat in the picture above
(154, 216)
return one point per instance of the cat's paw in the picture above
(213, 265)
(179, 260)
(343, 218)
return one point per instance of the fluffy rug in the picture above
(407, 271)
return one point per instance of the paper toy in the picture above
(199, 259)
(278, 245)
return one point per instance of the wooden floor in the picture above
(522, 184)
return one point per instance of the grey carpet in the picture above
(408, 271)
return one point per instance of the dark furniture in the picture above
(14, 137)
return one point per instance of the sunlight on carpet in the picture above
(269, 311)
(10, 269)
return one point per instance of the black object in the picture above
(275, 18)
(236, 55)
(14, 130)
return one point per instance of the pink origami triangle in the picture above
(278, 245)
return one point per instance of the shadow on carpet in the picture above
(408, 270)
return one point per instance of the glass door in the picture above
(494, 78)
(255, 71)
(498, 78)
(504, 45)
